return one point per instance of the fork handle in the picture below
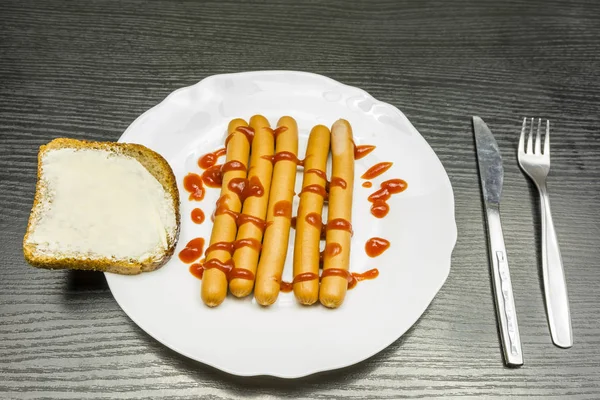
(555, 285)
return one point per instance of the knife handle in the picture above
(503, 293)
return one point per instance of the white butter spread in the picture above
(99, 204)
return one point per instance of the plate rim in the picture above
(332, 366)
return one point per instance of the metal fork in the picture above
(537, 165)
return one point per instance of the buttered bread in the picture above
(102, 206)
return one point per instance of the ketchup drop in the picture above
(376, 246)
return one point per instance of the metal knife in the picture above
(491, 174)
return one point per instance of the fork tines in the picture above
(538, 140)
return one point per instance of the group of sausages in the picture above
(256, 226)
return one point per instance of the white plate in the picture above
(288, 340)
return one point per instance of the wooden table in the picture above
(88, 69)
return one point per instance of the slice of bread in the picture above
(103, 206)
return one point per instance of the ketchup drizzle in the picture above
(379, 198)
(337, 181)
(339, 224)
(362, 150)
(212, 176)
(316, 189)
(377, 170)
(246, 130)
(193, 184)
(210, 159)
(282, 208)
(282, 156)
(197, 216)
(376, 246)
(192, 251)
(320, 173)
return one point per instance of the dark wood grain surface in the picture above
(87, 69)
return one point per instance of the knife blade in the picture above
(491, 174)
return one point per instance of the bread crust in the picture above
(152, 161)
